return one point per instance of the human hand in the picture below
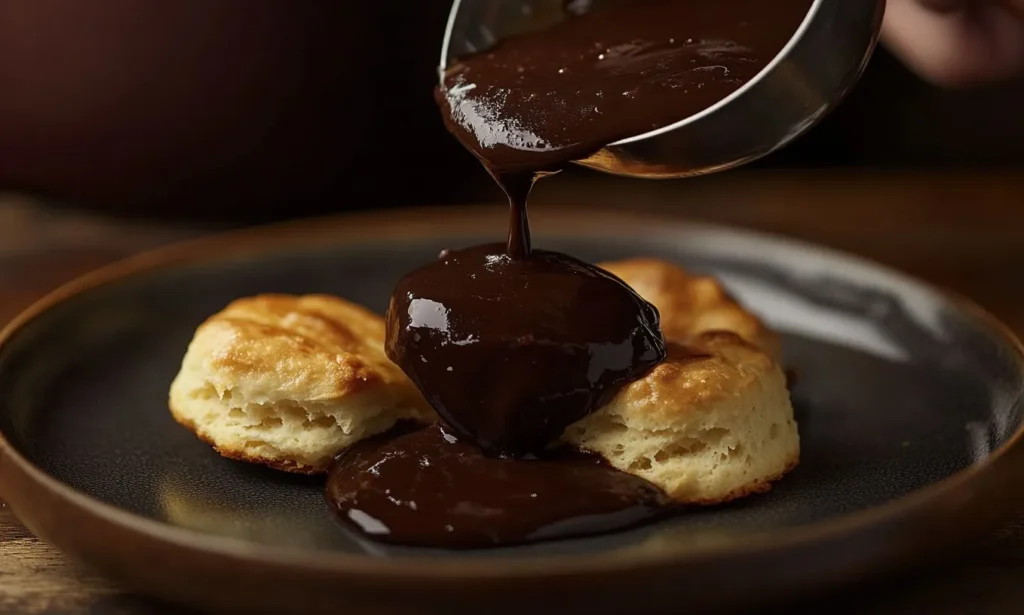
(957, 42)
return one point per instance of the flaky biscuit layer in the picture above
(714, 421)
(291, 381)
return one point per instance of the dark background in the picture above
(256, 109)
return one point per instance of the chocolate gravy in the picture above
(430, 488)
(511, 352)
(512, 345)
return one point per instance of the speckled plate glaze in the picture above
(909, 404)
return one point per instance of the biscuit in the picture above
(714, 421)
(289, 382)
(691, 304)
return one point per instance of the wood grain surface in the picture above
(964, 232)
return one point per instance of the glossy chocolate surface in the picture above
(429, 488)
(537, 101)
(511, 352)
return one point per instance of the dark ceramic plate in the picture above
(909, 404)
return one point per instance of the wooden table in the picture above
(963, 232)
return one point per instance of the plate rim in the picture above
(1004, 462)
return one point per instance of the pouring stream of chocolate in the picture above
(509, 345)
(537, 101)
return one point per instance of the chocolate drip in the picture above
(512, 345)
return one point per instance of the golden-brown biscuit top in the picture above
(690, 305)
(309, 348)
(711, 368)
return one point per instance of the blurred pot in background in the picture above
(222, 108)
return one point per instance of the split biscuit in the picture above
(290, 382)
(714, 421)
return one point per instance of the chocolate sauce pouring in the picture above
(512, 345)
(538, 101)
